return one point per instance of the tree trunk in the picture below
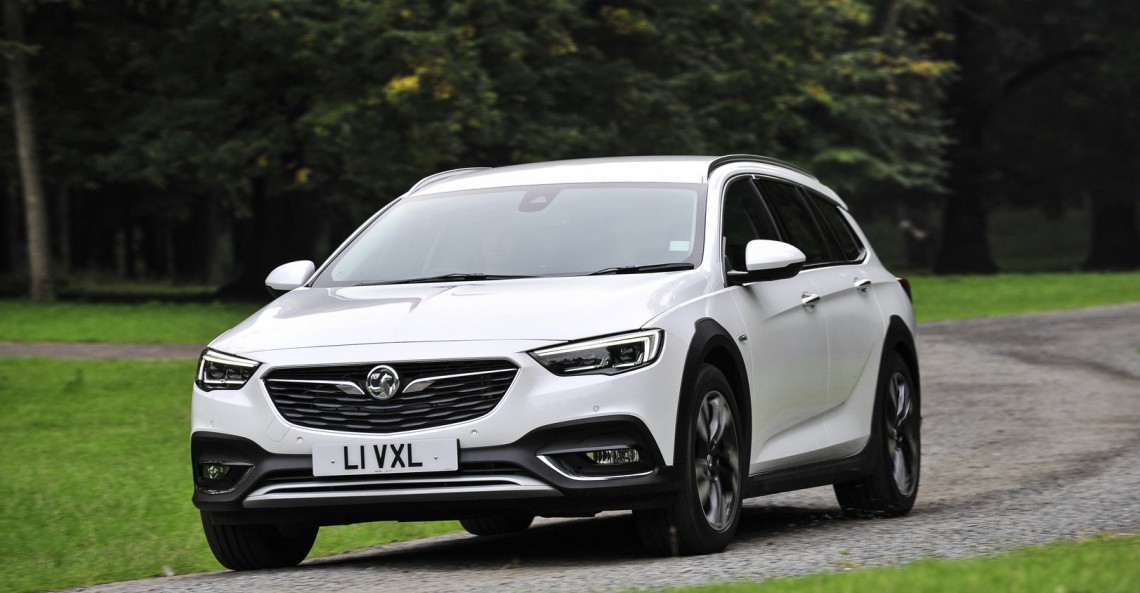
(255, 244)
(1115, 241)
(965, 248)
(35, 207)
(63, 230)
(219, 241)
(13, 257)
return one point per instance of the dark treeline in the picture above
(208, 141)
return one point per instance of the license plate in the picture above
(399, 457)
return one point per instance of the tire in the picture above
(706, 513)
(891, 488)
(497, 525)
(252, 547)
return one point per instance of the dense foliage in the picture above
(209, 140)
(206, 140)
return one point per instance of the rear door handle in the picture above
(809, 300)
(862, 284)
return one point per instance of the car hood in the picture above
(555, 309)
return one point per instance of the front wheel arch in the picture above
(707, 510)
(712, 344)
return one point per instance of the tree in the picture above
(289, 122)
(35, 207)
(1045, 116)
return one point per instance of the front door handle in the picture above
(862, 284)
(809, 301)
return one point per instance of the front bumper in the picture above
(504, 455)
(534, 475)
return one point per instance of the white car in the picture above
(668, 335)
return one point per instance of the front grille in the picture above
(458, 390)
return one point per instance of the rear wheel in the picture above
(250, 547)
(893, 485)
(497, 525)
(707, 510)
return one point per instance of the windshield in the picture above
(548, 230)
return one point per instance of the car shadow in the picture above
(606, 539)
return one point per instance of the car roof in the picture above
(643, 169)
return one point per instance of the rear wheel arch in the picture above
(900, 339)
(879, 491)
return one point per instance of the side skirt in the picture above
(820, 473)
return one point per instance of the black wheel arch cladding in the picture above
(712, 344)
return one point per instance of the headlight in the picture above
(222, 371)
(605, 356)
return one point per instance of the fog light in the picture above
(614, 456)
(219, 477)
(213, 471)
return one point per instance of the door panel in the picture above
(854, 327)
(788, 349)
(786, 343)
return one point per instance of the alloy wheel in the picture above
(716, 462)
(902, 433)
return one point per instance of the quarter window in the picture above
(845, 238)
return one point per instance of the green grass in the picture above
(1105, 564)
(958, 297)
(95, 486)
(146, 323)
(108, 289)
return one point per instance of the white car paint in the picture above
(521, 309)
(811, 374)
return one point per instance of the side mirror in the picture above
(768, 260)
(288, 276)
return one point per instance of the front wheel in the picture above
(252, 547)
(707, 510)
(892, 487)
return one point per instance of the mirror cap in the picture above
(768, 260)
(761, 254)
(288, 276)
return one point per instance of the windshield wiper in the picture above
(672, 267)
(456, 277)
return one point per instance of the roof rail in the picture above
(752, 158)
(430, 179)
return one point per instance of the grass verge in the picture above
(959, 297)
(1105, 564)
(146, 323)
(96, 478)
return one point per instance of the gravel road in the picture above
(1032, 434)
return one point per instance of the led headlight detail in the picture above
(606, 356)
(222, 371)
